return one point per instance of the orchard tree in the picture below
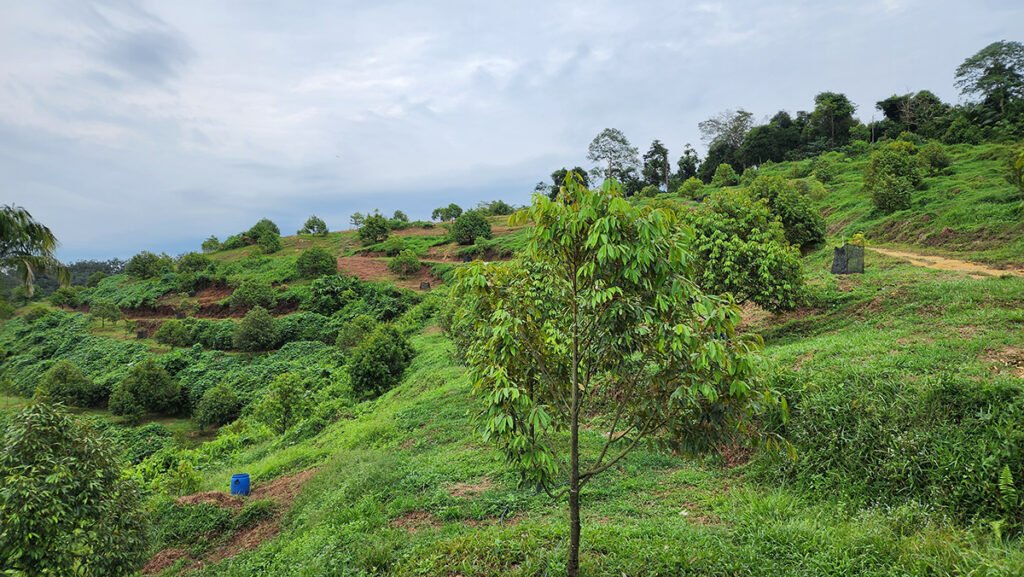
(105, 311)
(740, 248)
(316, 262)
(615, 155)
(27, 247)
(375, 229)
(656, 166)
(599, 325)
(211, 244)
(256, 332)
(995, 74)
(66, 506)
(315, 226)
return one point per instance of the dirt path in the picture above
(942, 263)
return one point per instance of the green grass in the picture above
(385, 501)
(970, 210)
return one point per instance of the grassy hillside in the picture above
(968, 210)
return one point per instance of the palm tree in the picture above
(27, 247)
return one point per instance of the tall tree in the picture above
(996, 74)
(831, 120)
(656, 166)
(687, 163)
(615, 155)
(558, 180)
(598, 325)
(27, 247)
(726, 128)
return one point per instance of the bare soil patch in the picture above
(163, 560)
(376, 269)
(1008, 361)
(470, 489)
(218, 498)
(414, 521)
(974, 270)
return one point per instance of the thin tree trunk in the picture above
(573, 566)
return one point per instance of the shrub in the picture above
(393, 245)
(470, 225)
(194, 262)
(35, 313)
(105, 311)
(400, 216)
(305, 326)
(219, 405)
(495, 208)
(405, 265)
(934, 159)
(379, 361)
(803, 224)
(825, 168)
(742, 249)
(256, 332)
(892, 174)
(95, 278)
(148, 386)
(374, 229)
(265, 227)
(66, 297)
(650, 191)
(211, 244)
(67, 507)
(269, 243)
(6, 309)
(252, 293)
(315, 226)
(329, 294)
(66, 383)
(725, 175)
(175, 333)
(316, 262)
(149, 265)
(690, 188)
(355, 331)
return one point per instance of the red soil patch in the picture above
(163, 560)
(375, 269)
(414, 521)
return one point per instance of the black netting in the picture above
(848, 259)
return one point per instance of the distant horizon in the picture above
(129, 127)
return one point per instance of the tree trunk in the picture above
(573, 565)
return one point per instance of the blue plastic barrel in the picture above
(240, 484)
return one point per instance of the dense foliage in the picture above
(315, 226)
(65, 506)
(379, 361)
(740, 248)
(315, 262)
(803, 224)
(892, 175)
(469, 226)
(374, 229)
(256, 332)
(65, 383)
(405, 264)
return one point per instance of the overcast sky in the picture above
(131, 125)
